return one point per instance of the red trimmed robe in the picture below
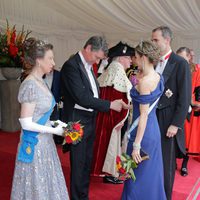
(114, 84)
(192, 133)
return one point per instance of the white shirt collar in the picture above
(87, 65)
(163, 57)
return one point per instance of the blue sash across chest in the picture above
(29, 139)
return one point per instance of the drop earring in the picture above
(38, 64)
(143, 65)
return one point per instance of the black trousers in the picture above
(81, 156)
(169, 146)
(169, 149)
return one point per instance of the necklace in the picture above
(43, 84)
(41, 81)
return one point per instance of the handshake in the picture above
(118, 104)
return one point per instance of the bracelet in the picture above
(136, 146)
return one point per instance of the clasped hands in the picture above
(118, 104)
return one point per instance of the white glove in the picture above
(60, 123)
(190, 109)
(28, 124)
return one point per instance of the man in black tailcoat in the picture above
(173, 104)
(81, 102)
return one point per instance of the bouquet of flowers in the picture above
(73, 132)
(11, 46)
(125, 166)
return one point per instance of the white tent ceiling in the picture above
(68, 23)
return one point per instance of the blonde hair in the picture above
(149, 49)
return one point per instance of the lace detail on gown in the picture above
(43, 178)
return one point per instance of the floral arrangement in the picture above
(73, 133)
(11, 46)
(125, 166)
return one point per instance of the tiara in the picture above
(40, 43)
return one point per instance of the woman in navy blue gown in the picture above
(149, 184)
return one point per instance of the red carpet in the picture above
(184, 187)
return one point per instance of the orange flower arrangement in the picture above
(11, 46)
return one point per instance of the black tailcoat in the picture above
(76, 89)
(172, 111)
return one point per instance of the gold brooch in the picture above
(28, 150)
(168, 93)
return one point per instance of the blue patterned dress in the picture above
(149, 184)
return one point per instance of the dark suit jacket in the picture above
(76, 89)
(173, 110)
(55, 88)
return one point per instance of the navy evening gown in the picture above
(149, 184)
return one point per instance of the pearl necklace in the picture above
(43, 83)
(39, 80)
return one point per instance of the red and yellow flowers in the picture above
(125, 166)
(11, 46)
(73, 133)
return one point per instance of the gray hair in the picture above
(166, 31)
(182, 49)
(33, 49)
(115, 58)
(97, 43)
